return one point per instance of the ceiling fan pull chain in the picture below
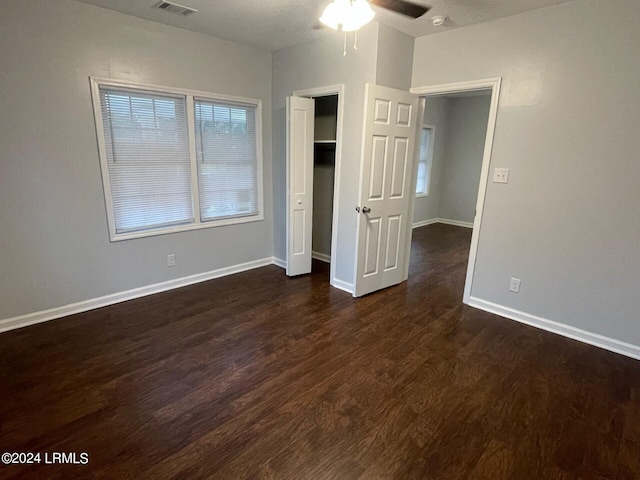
(344, 48)
(355, 40)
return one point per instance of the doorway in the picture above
(462, 188)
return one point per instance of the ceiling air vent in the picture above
(175, 8)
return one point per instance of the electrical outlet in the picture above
(514, 285)
(171, 260)
(500, 175)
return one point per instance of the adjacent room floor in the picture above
(260, 376)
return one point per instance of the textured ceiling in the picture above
(275, 24)
(460, 13)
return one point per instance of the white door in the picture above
(300, 123)
(384, 226)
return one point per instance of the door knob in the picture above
(366, 209)
(358, 209)
(299, 202)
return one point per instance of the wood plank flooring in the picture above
(258, 376)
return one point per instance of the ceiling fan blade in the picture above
(403, 7)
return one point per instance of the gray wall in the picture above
(318, 64)
(463, 159)
(436, 113)
(567, 223)
(394, 58)
(461, 127)
(323, 178)
(54, 242)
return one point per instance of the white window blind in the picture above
(147, 150)
(227, 159)
(174, 159)
(424, 162)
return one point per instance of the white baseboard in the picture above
(424, 223)
(85, 305)
(317, 255)
(323, 257)
(339, 284)
(457, 223)
(342, 285)
(280, 262)
(584, 336)
(446, 221)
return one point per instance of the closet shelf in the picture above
(325, 152)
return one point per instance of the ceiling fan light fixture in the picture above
(349, 15)
(330, 16)
(360, 14)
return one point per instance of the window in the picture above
(424, 161)
(226, 153)
(176, 160)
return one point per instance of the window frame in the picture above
(189, 95)
(429, 158)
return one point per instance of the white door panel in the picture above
(385, 188)
(394, 229)
(378, 167)
(300, 124)
(399, 168)
(372, 246)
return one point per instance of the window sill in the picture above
(115, 237)
(421, 195)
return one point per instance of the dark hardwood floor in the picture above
(260, 376)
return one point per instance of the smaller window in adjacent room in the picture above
(176, 160)
(424, 161)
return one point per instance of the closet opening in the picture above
(324, 175)
(314, 146)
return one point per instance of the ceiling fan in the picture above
(402, 7)
(350, 15)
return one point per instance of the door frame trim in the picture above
(494, 85)
(324, 92)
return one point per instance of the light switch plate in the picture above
(500, 175)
